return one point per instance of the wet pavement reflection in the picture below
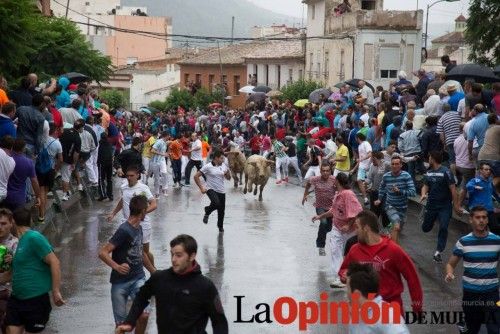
(267, 251)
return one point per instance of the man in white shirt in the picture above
(7, 164)
(431, 105)
(133, 187)
(366, 94)
(195, 159)
(158, 164)
(214, 174)
(365, 117)
(363, 164)
(71, 115)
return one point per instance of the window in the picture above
(211, 79)
(388, 62)
(278, 72)
(327, 63)
(198, 79)
(290, 74)
(301, 75)
(368, 4)
(310, 65)
(313, 12)
(224, 79)
(342, 65)
(318, 70)
(237, 85)
(186, 79)
(131, 60)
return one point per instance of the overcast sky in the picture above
(439, 13)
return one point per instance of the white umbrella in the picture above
(247, 89)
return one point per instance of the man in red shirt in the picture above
(387, 258)
(255, 143)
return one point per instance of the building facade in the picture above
(271, 63)
(452, 44)
(96, 19)
(366, 43)
(274, 31)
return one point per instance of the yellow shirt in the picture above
(380, 118)
(146, 151)
(345, 165)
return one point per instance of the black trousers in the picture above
(480, 308)
(106, 180)
(189, 168)
(176, 168)
(217, 202)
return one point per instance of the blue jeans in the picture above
(120, 293)
(325, 226)
(443, 215)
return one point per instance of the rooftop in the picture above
(461, 18)
(455, 37)
(238, 53)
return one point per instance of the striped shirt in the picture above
(449, 124)
(480, 257)
(404, 183)
(159, 146)
(278, 148)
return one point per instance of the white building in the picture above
(274, 31)
(367, 43)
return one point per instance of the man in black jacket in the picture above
(130, 157)
(185, 299)
(105, 164)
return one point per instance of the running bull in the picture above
(257, 172)
(236, 161)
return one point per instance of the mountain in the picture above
(212, 17)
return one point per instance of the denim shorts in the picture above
(121, 293)
(395, 216)
(361, 174)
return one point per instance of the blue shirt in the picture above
(128, 249)
(480, 257)
(439, 182)
(404, 183)
(455, 99)
(478, 128)
(481, 197)
(388, 131)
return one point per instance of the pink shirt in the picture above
(324, 191)
(345, 206)
(460, 146)
(266, 143)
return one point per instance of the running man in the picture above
(281, 161)
(214, 174)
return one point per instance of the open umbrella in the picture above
(301, 103)
(477, 72)
(246, 89)
(146, 110)
(354, 83)
(496, 70)
(339, 85)
(326, 107)
(274, 93)
(314, 97)
(76, 78)
(215, 105)
(258, 97)
(262, 89)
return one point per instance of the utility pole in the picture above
(232, 30)
(221, 76)
(67, 9)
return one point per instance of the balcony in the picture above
(372, 19)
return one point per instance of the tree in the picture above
(157, 104)
(179, 97)
(299, 90)
(203, 98)
(47, 46)
(482, 32)
(113, 98)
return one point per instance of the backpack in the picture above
(43, 162)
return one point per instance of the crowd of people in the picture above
(363, 152)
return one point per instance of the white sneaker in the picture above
(65, 197)
(80, 187)
(337, 284)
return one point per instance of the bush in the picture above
(299, 90)
(113, 98)
(157, 104)
(179, 97)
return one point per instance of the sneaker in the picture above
(110, 198)
(279, 182)
(337, 284)
(80, 187)
(321, 251)
(65, 197)
(286, 179)
(437, 258)
(187, 185)
(205, 219)
(100, 199)
(221, 229)
(41, 220)
(367, 202)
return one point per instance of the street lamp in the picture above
(427, 18)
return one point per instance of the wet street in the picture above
(267, 251)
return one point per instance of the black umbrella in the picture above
(262, 89)
(258, 97)
(477, 72)
(354, 83)
(314, 97)
(496, 70)
(76, 78)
